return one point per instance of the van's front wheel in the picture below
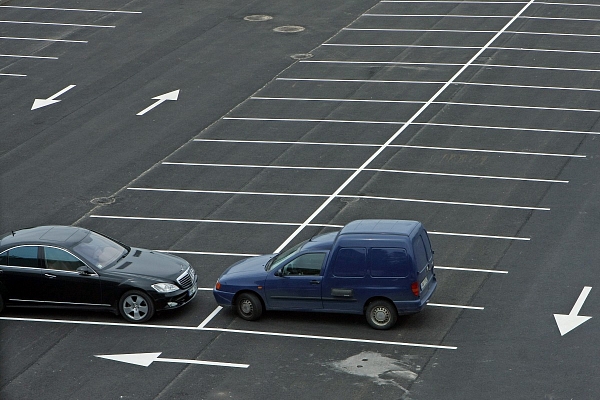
(248, 306)
(381, 314)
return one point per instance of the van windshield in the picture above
(281, 257)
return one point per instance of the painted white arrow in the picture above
(161, 99)
(145, 359)
(39, 103)
(566, 323)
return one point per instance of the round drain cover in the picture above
(258, 18)
(289, 29)
(102, 201)
(302, 56)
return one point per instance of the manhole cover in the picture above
(258, 18)
(302, 56)
(289, 29)
(102, 201)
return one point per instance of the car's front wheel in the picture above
(248, 306)
(381, 314)
(136, 306)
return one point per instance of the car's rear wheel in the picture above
(136, 306)
(248, 306)
(381, 314)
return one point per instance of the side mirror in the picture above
(279, 272)
(84, 270)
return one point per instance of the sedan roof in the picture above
(53, 234)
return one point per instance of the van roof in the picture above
(381, 226)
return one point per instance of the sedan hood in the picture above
(151, 264)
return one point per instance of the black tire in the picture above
(381, 314)
(248, 306)
(136, 306)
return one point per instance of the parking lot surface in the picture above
(222, 130)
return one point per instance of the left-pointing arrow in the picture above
(145, 359)
(39, 103)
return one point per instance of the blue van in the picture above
(378, 268)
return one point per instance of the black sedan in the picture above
(65, 266)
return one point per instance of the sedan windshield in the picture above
(99, 250)
(281, 257)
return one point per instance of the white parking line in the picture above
(341, 121)
(73, 9)
(490, 2)
(526, 153)
(466, 31)
(18, 75)
(24, 56)
(438, 64)
(210, 317)
(338, 195)
(491, 271)
(428, 46)
(502, 85)
(43, 39)
(208, 253)
(454, 306)
(397, 171)
(477, 236)
(224, 330)
(450, 103)
(480, 16)
(56, 24)
(233, 222)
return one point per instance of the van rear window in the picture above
(350, 263)
(389, 262)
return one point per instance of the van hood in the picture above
(253, 266)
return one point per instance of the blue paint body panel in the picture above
(341, 271)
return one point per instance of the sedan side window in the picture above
(306, 264)
(23, 256)
(61, 260)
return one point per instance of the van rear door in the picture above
(423, 260)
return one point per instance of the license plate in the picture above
(192, 290)
(424, 282)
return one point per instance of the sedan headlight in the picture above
(165, 287)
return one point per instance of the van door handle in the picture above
(50, 276)
(314, 282)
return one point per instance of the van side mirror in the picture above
(279, 272)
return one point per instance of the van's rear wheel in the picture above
(248, 306)
(381, 314)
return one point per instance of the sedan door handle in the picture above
(314, 282)
(50, 276)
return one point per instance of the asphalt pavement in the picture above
(222, 130)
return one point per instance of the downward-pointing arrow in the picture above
(39, 103)
(145, 359)
(566, 323)
(161, 99)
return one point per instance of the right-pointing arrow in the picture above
(566, 323)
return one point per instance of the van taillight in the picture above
(415, 288)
